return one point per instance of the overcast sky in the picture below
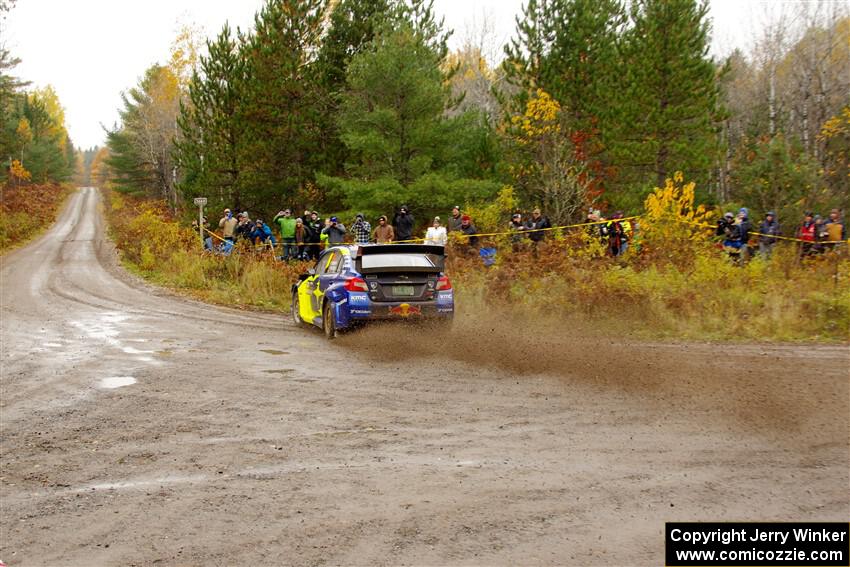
(91, 50)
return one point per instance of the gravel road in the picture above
(140, 428)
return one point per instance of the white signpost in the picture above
(200, 202)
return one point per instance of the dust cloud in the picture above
(752, 386)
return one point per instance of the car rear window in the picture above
(381, 261)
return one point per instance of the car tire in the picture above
(295, 310)
(329, 321)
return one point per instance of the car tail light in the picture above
(356, 284)
(444, 283)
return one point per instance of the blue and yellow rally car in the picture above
(355, 284)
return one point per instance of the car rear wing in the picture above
(436, 256)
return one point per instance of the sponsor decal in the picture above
(406, 310)
(361, 312)
(358, 298)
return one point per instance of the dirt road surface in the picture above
(139, 428)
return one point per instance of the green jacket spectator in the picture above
(286, 223)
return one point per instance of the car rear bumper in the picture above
(360, 308)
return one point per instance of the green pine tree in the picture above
(402, 146)
(210, 149)
(569, 49)
(282, 103)
(351, 28)
(670, 92)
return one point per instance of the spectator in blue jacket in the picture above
(263, 234)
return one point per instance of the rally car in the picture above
(350, 285)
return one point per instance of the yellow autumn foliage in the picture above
(18, 173)
(540, 118)
(672, 226)
(837, 125)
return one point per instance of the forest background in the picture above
(358, 105)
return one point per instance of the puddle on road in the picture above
(280, 371)
(117, 382)
(131, 350)
(272, 351)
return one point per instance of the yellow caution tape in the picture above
(524, 231)
(788, 238)
(561, 227)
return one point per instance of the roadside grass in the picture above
(156, 247)
(26, 211)
(678, 287)
(776, 300)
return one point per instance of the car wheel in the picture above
(295, 308)
(329, 321)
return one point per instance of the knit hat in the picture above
(465, 218)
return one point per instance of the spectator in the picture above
(537, 226)
(286, 223)
(436, 234)
(262, 234)
(362, 230)
(767, 231)
(384, 233)
(806, 233)
(323, 235)
(335, 231)
(835, 230)
(455, 219)
(227, 224)
(245, 226)
(314, 235)
(469, 230)
(820, 234)
(730, 229)
(596, 225)
(617, 237)
(744, 227)
(517, 228)
(627, 231)
(403, 224)
(301, 234)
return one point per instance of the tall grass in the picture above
(711, 299)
